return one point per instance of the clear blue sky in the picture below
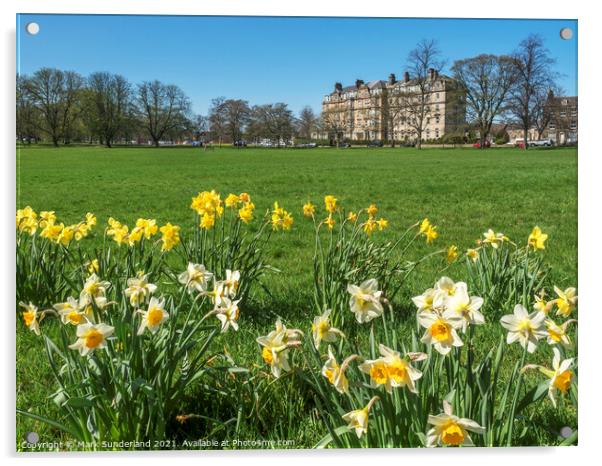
(263, 59)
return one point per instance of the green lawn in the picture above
(463, 191)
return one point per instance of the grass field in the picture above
(463, 191)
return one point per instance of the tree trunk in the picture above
(526, 135)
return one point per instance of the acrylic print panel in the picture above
(273, 232)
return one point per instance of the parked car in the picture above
(478, 144)
(197, 143)
(344, 144)
(240, 144)
(540, 143)
(375, 144)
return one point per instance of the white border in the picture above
(589, 222)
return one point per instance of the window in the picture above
(573, 125)
(552, 125)
(562, 114)
(437, 120)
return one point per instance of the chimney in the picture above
(406, 77)
(392, 79)
(358, 83)
(432, 73)
(338, 87)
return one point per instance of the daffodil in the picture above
(153, 317)
(352, 217)
(524, 327)
(473, 254)
(365, 301)
(217, 294)
(358, 419)
(93, 266)
(281, 219)
(448, 286)
(330, 222)
(566, 301)
(541, 304)
(207, 221)
(244, 197)
(195, 278)
(139, 289)
(466, 306)
(425, 225)
(391, 370)
(149, 227)
(431, 234)
(451, 254)
(227, 314)
(232, 200)
(309, 209)
(323, 331)
(73, 312)
(537, 238)
(91, 337)
(171, 236)
(66, 235)
(335, 373)
(441, 330)
(52, 231)
(245, 213)
(372, 210)
(94, 291)
(27, 220)
(557, 333)
(382, 224)
(275, 347)
(560, 375)
(330, 203)
(450, 430)
(207, 203)
(231, 282)
(370, 226)
(432, 300)
(46, 218)
(494, 239)
(90, 219)
(30, 317)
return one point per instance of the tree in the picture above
(26, 113)
(306, 123)
(54, 93)
(218, 118)
(334, 123)
(424, 65)
(487, 81)
(162, 107)
(534, 76)
(271, 121)
(110, 100)
(237, 115)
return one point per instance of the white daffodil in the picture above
(365, 300)
(466, 306)
(195, 278)
(450, 430)
(432, 300)
(447, 285)
(566, 301)
(139, 289)
(72, 312)
(217, 295)
(524, 327)
(94, 292)
(91, 337)
(227, 314)
(391, 370)
(322, 331)
(231, 282)
(30, 317)
(441, 330)
(276, 345)
(358, 419)
(493, 238)
(335, 373)
(154, 316)
(557, 333)
(560, 375)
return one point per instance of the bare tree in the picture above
(544, 109)
(54, 93)
(306, 122)
(237, 115)
(110, 100)
(424, 64)
(26, 113)
(162, 107)
(334, 123)
(534, 76)
(271, 121)
(487, 81)
(218, 118)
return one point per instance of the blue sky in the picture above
(268, 59)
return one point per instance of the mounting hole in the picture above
(32, 28)
(566, 33)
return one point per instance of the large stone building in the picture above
(398, 110)
(563, 113)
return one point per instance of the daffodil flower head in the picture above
(358, 419)
(335, 373)
(91, 337)
(472, 254)
(74, 312)
(450, 430)
(537, 238)
(466, 306)
(227, 314)
(441, 330)
(139, 289)
(153, 316)
(170, 236)
(323, 331)
(195, 278)
(524, 327)
(557, 334)
(330, 203)
(309, 209)
(365, 301)
(566, 301)
(30, 317)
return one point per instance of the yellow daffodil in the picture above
(382, 224)
(139, 289)
(52, 231)
(557, 333)
(358, 419)
(244, 197)
(281, 219)
(566, 301)
(330, 203)
(90, 219)
(473, 254)
(47, 218)
(365, 301)
(450, 430)
(30, 317)
(93, 266)
(451, 254)
(207, 203)
(27, 220)
(245, 213)
(66, 235)
(227, 314)
(330, 222)
(425, 225)
(541, 304)
(537, 238)
(207, 221)
(148, 226)
(232, 201)
(171, 236)
(560, 375)
(352, 217)
(91, 337)
(323, 331)
(441, 330)
(195, 278)
(335, 373)
(309, 209)
(524, 327)
(372, 210)
(431, 234)
(153, 317)
(370, 226)
(494, 239)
